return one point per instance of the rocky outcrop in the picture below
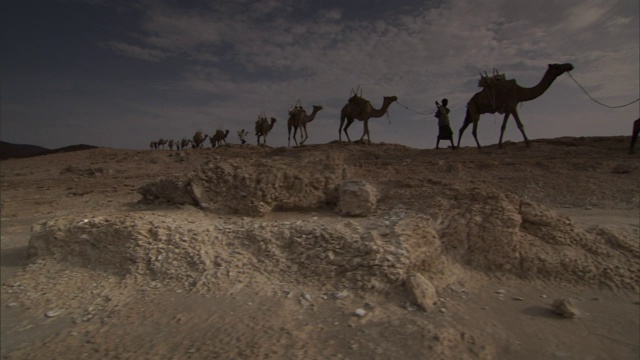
(253, 188)
(356, 198)
(478, 230)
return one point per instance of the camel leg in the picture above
(303, 134)
(471, 117)
(461, 131)
(366, 132)
(521, 127)
(349, 122)
(295, 132)
(504, 127)
(438, 143)
(340, 129)
(474, 131)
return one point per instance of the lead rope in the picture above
(415, 111)
(596, 101)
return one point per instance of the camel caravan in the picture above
(497, 95)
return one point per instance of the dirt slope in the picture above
(237, 252)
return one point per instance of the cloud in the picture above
(587, 13)
(137, 52)
(448, 44)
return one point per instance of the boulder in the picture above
(356, 198)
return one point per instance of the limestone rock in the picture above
(172, 191)
(356, 198)
(254, 187)
(422, 291)
(565, 307)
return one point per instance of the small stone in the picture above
(517, 298)
(360, 312)
(342, 294)
(500, 292)
(543, 296)
(423, 291)
(565, 307)
(53, 313)
(369, 305)
(596, 298)
(409, 306)
(12, 305)
(443, 310)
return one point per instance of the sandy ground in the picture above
(64, 308)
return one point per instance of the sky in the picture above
(123, 73)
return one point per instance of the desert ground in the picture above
(332, 251)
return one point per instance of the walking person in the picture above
(444, 129)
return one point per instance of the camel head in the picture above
(388, 100)
(317, 108)
(273, 121)
(559, 69)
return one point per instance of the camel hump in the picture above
(487, 81)
(357, 104)
(355, 99)
(295, 110)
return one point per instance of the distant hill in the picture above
(9, 150)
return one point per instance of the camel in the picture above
(634, 136)
(184, 143)
(170, 145)
(242, 134)
(299, 119)
(219, 137)
(293, 113)
(198, 139)
(153, 145)
(263, 127)
(161, 142)
(358, 108)
(504, 98)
